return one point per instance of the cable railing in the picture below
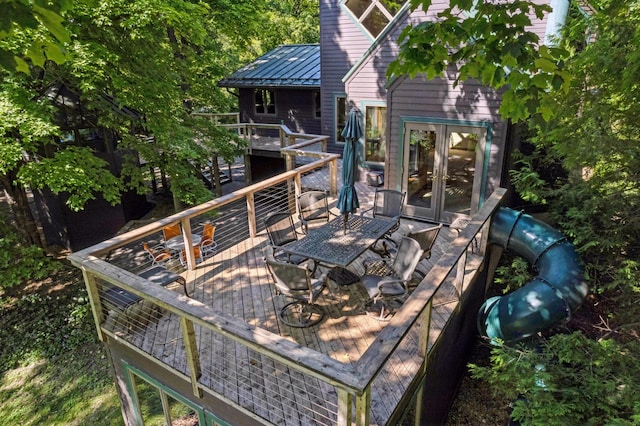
(253, 368)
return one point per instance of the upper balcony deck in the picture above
(226, 343)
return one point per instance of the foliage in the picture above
(19, 16)
(575, 380)
(20, 263)
(489, 42)
(133, 73)
(511, 276)
(291, 22)
(53, 370)
(577, 102)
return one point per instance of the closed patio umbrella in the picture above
(348, 197)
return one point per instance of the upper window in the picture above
(265, 101)
(374, 15)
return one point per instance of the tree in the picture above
(579, 104)
(135, 69)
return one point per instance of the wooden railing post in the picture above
(94, 299)
(363, 408)
(333, 177)
(193, 360)
(345, 410)
(251, 213)
(188, 243)
(458, 282)
(425, 328)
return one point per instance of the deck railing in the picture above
(343, 386)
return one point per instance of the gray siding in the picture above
(294, 107)
(438, 99)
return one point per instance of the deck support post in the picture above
(345, 410)
(363, 408)
(193, 361)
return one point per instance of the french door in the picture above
(442, 170)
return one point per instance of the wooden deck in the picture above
(235, 283)
(228, 342)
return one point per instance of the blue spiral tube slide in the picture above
(552, 296)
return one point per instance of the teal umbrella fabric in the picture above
(348, 197)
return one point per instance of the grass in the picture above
(53, 370)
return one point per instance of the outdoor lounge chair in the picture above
(386, 280)
(313, 207)
(295, 282)
(426, 238)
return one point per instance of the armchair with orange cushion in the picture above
(208, 246)
(196, 251)
(158, 255)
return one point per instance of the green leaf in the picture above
(545, 65)
(53, 22)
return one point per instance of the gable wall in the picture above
(421, 98)
(341, 46)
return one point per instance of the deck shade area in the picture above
(224, 348)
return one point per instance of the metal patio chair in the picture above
(295, 282)
(313, 207)
(386, 280)
(281, 231)
(387, 203)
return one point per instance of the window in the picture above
(265, 101)
(375, 128)
(341, 116)
(317, 106)
(374, 15)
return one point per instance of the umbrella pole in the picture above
(345, 218)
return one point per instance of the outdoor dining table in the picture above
(177, 243)
(333, 245)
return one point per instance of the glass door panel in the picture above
(421, 169)
(461, 147)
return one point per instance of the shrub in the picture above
(568, 379)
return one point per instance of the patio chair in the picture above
(197, 253)
(387, 203)
(281, 231)
(313, 207)
(387, 280)
(171, 231)
(208, 246)
(295, 282)
(426, 238)
(158, 254)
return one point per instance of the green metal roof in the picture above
(293, 65)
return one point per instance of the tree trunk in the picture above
(23, 220)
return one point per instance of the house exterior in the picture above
(281, 87)
(445, 146)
